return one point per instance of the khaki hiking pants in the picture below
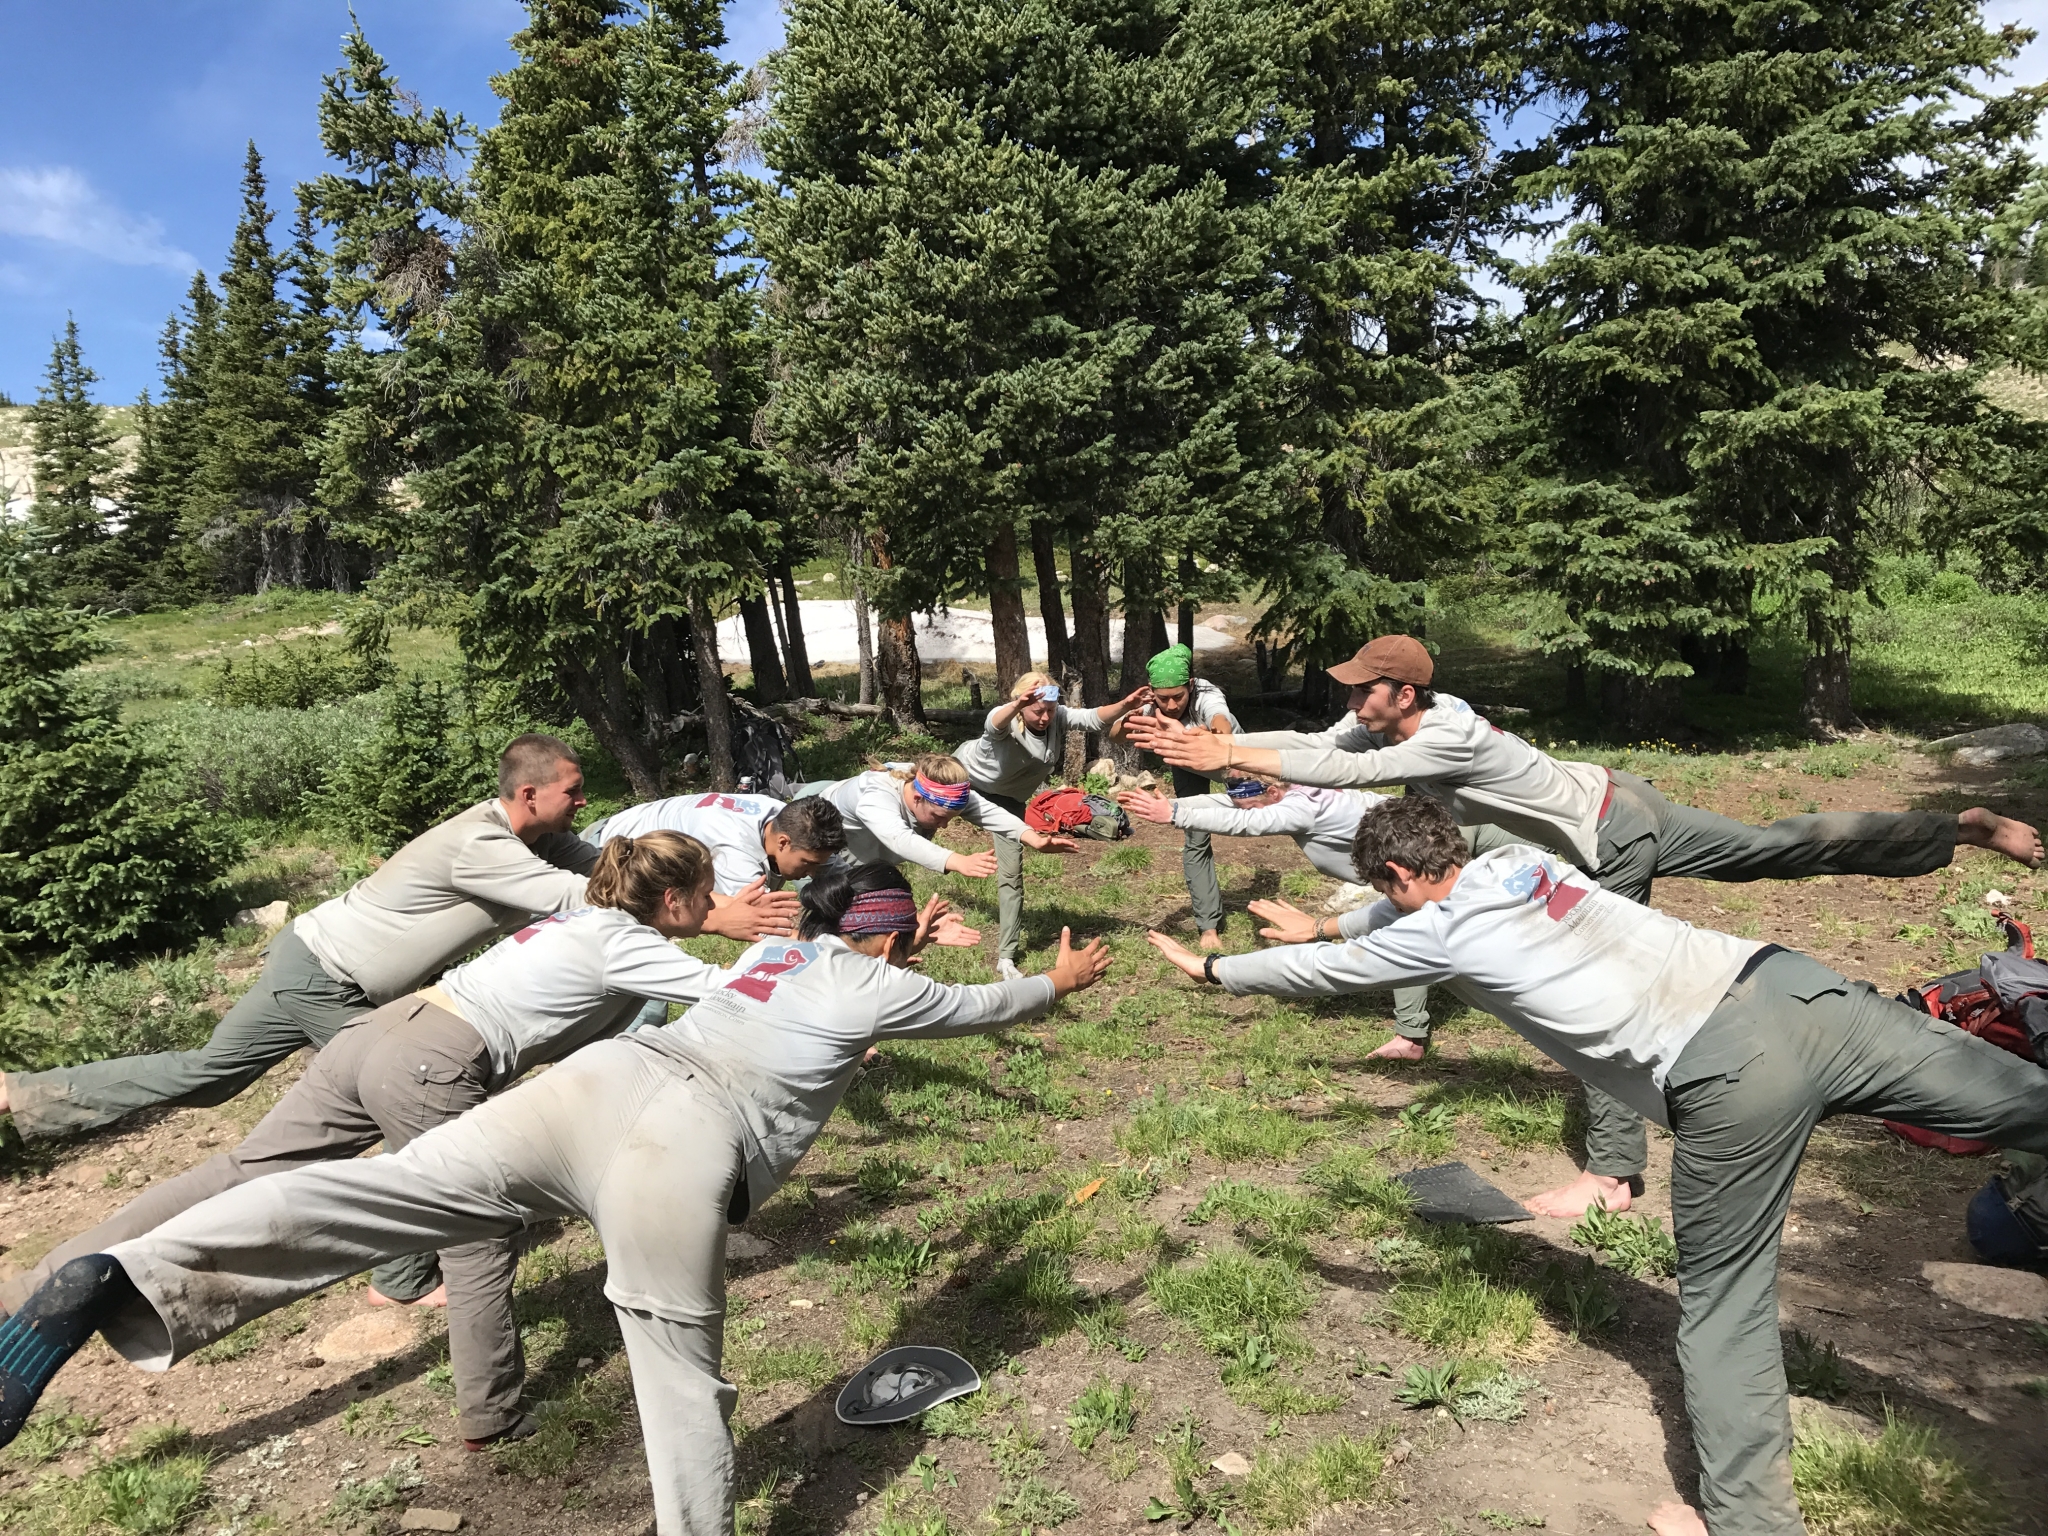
(293, 1004)
(391, 1076)
(1644, 836)
(1791, 1045)
(618, 1134)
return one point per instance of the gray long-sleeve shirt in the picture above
(1607, 989)
(1322, 822)
(1476, 770)
(879, 828)
(440, 896)
(1013, 760)
(782, 1038)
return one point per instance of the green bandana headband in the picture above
(1171, 668)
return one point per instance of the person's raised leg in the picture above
(318, 1120)
(293, 1003)
(1703, 845)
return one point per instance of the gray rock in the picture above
(2014, 1293)
(1994, 744)
(418, 1519)
(266, 918)
(745, 1245)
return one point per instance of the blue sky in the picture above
(122, 129)
(123, 122)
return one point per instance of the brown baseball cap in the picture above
(1400, 657)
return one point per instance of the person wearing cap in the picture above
(1322, 823)
(1739, 1047)
(1615, 826)
(1022, 742)
(1181, 703)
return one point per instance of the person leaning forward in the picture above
(1741, 1048)
(1613, 825)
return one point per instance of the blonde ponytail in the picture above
(633, 872)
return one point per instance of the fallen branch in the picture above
(792, 708)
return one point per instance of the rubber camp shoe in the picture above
(521, 1428)
(1006, 970)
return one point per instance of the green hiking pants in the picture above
(293, 1004)
(1009, 883)
(1644, 836)
(1197, 860)
(1791, 1045)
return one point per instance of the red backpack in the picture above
(1066, 811)
(2004, 1002)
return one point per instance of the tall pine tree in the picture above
(74, 479)
(574, 403)
(1768, 314)
(160, 495)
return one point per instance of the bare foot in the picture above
(1588, 1189)
(3, 1093)
(1400, 1048)
(2001, 834)
(437, 1297)
(1211, 939)
(1672, 1518)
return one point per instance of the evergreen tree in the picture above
(1021, 279)
(575, 403)
(96, 858)
(74, 476)
(1769, 314)
(160, 494)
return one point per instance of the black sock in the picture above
(51, 1327)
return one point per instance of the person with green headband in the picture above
(1194, 704)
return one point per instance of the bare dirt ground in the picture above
(971, 1157)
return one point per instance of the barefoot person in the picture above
(1613, 825)
(483, 872)
(1322, 823)
(659, 1139)
(756, 843)
(1183, 704)
(1023, 740)
(891, 820)
(1740, 1048)
(397, 1072)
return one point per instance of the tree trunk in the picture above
(607, 712)
(1091, 623)
(769, 687)
(711, 683)
(1639, 703)
(1318, 693)
(1185, 626)
(863, 635)
(1046, 561)
(795, 652)
(1006, 609)
(1825, 709)
(1139, 622)
(898, 672)
(1575, 686)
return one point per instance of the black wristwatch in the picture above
(1209, 968)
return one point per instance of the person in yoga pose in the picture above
(661, 1139)
(1613, 825)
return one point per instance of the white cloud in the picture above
(56, 203)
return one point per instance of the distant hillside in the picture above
(17, 467)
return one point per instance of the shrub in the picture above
(259, 764)
(426, 760)
(96, 858)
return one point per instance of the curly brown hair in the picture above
(1412, 831)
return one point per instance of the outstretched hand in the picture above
(1177, 952)
(975, 866)
(1046, 842)
(1183, 748)
(1289, 924)
(1074, 969)
(1147, 806)
(755, 912)
(939, 924)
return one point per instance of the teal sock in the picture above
(51, 1327)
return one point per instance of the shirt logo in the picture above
(717, 802)
(760, 979)
(1536, 883)
(533, 928)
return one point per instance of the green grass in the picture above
(1285, 1491)
(808, 1364)
(153, 1487)
(52, 1433)
(1460, 1310)
(1905, 1482)
(1228, 1128)
(1105, 1411)
(1226, 1297)
(1635, 1245)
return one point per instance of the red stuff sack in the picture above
(2004, 1002)
(1066, 811)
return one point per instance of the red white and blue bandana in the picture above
(948, 797)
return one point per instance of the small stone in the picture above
(802, 1301)
(267, 918)
(311, 1363)
(2014, 1293)
(1230, 1464)
(370, 1336)
(418, 1519)
(1402, 1450)
(745, 1245)
(585, 1362)
(88, 1175)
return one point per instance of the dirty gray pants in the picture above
(1197, 860)
(1411, 1004)
(618, 1134)
(1644, 836)
(294, 1003)
(1788, 1047)
(1009, 882)
(393, 1075)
